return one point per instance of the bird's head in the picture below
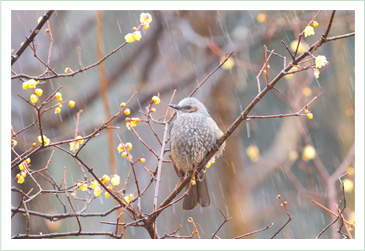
(190, 105)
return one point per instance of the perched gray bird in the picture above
(193, 132)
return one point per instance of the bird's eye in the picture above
(188, 107)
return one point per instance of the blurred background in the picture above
(263, 158)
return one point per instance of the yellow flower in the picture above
(127, 111)
(94, 184)
(32, 83)
(122, 104)
(316, 72)
(45, 139)
(80, 141)
(309, 153)
(26, 85)
(129, 146)
(68, 70)
(321, 61)
(120, 148)
(115, 180)
(59, 106)
(128, 198)
(57, 110)
(153, 109)
(315, 24)
(58, 96)
(33, 98)
(97, 191)
(348, 185)
(25, 162)
(71, 103)
(20, 179)
(129, 38)
(302, 46)
(128, 125)
(156, 100)
(253, 153)
(146, 26)
(145, 18)
(21, 166)
(210, 163)
(74, 146)
(38, 92)
(310, 115)
(82, 187)
(142, 160)
(261, 17)
(137, 35)
(229, 64)
(124, 154)
(107, 195)
(23, 174)
(105, 179)
(308, 31)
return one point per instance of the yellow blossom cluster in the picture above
(132, 37)
(31, 84)
(309, 30)
(121, 148)
(24, 163)
(38, 92)
(98, 190)
(128, 198)
(75, 145)
(45, 139)
(156, 100)
(145, 19)
(309, 114)
(320, 61)
(131, 122)
(21, 176)
(23, 168)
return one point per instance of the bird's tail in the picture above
(198, 194)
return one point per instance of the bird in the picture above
(192, 135)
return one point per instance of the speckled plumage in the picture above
(193, 132)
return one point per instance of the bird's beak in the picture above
(176, 107)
